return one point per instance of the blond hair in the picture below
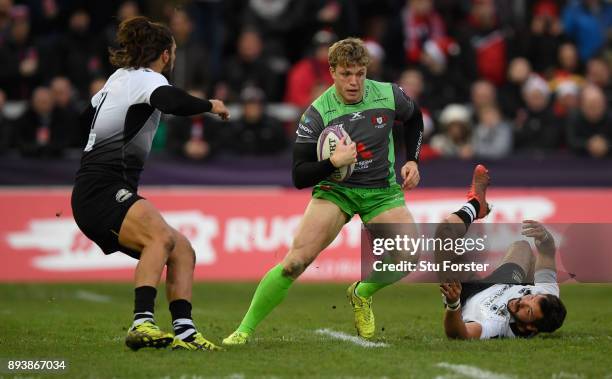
(348, 52)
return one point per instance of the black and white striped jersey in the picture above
(123, 125)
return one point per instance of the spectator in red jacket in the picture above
(484, 43)
(309, 77)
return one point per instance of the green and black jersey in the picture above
(369, 123)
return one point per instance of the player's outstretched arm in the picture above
(454, 327)
(307, 171)
(172, 100)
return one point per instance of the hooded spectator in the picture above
(256, 132)
(454, 139)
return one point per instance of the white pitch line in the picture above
(92, 296)
(472, 371)
(348, 338)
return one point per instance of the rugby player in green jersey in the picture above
(366, 110)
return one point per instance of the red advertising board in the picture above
(238, 234)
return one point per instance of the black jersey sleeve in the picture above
(172, 100)
(309, 127)
(307, 171)
(409, 114)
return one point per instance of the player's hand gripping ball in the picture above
(328, 144)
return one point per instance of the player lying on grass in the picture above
(123, 118)
(366, 110)
(502, 305)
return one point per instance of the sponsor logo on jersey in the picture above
(122, 195)
(379, 121)
(304, 128)
(355, 116)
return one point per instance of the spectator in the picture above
(20, 70)
(310, 77)
(408, 30)
(337, 15)
(492, 137)
(484, 44)
(46, 18)
(589, 131)
(127, 9)
(376, 69)
(411, 82)
(278, 22)
(587, 22)
(566, 98)
(195, 138)
(95, 86)
(444, 74)
(545, 38)
(66, 108)
(190, 67)
(80, 53)
(569, 65)
(511, 98)
(41, 131)
(256, 132)
(5, 18)
(598, 73)
(537, 129)
(249, 67)
(483, 94)
(454, 141)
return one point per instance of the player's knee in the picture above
(166, 239)
(191, 253)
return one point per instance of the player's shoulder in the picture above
(325, 101)
(144, 73)
(379, 94)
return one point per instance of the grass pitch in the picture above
(86, 324)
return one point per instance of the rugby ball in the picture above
(326, 145)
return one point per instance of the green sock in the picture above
(378, 280)
(367, 289)
(271, 291)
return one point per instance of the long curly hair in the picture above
(140, 42)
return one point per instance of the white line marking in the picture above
(472, 371)
(353, 339)
(567, 375)
(92, 296)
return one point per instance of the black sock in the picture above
(467, 214)
(182, 323)
(144, 304)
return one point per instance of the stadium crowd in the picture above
(494, 77)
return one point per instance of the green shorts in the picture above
(366, 202)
